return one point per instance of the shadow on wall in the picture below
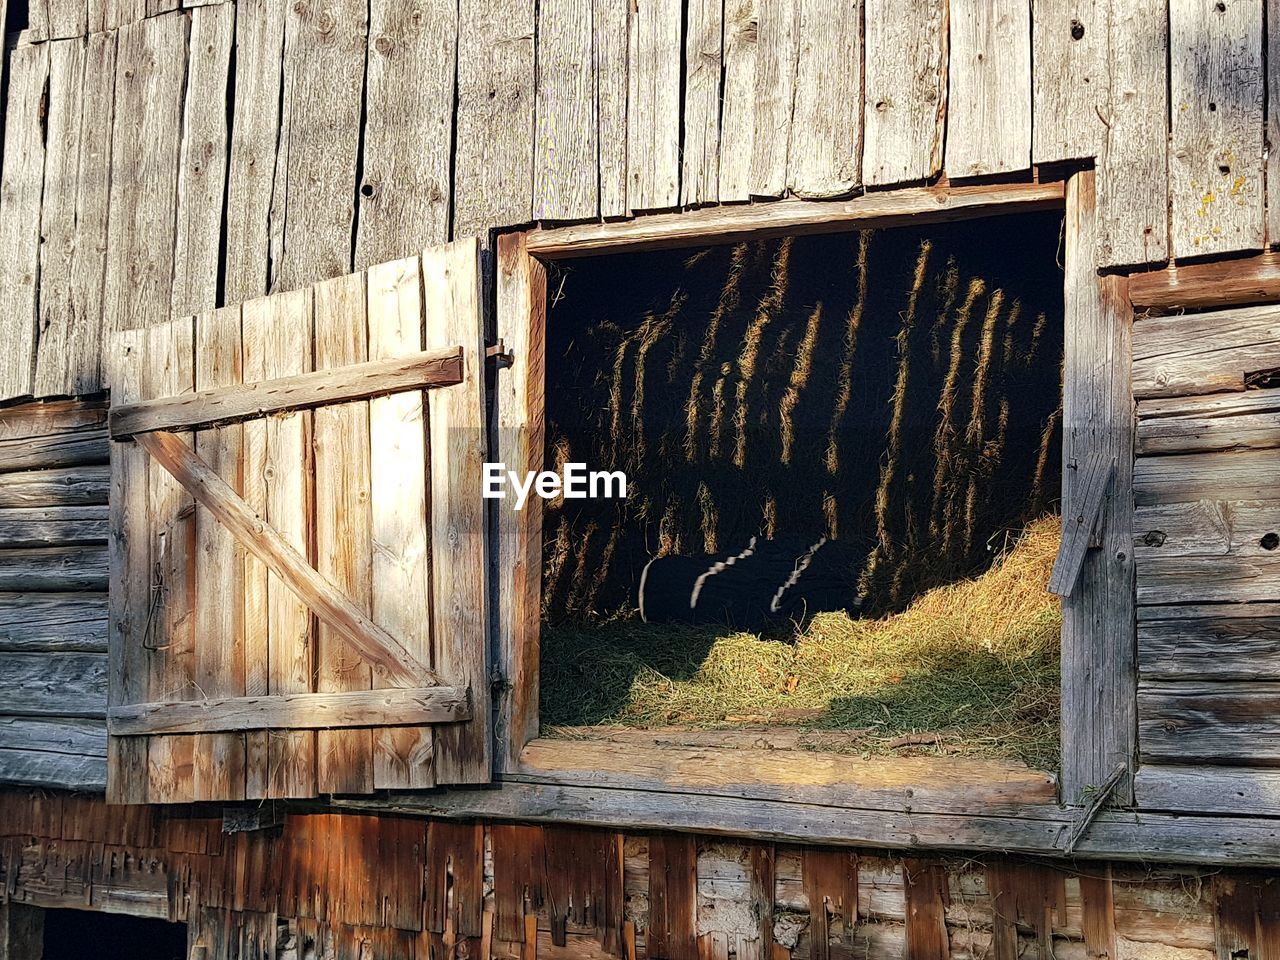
(899, 391)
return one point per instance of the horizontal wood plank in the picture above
(1230, 475)
(1228, 421)
(83, 446)
(52, 526)
(1242, 791)
(1209, 642)
(293, 711)
(87, 738)
(1196, 722)
(732, 224)
(1200, 286)
(63, 771)
(373, 643)
(232, 404)
(53, 685)
(71, 486)
(1204, 352)
(53, 622)
(48, 418)
(52, 569)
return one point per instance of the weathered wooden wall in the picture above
(53, 600)
(338, 886)
(161, 161)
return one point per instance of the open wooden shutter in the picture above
(297, 536)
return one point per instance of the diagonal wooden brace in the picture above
(1088, 496)
(330, 604)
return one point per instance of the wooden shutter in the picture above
(297, 542)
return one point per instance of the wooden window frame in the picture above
(1098, 634)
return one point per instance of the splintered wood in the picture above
(271, 576)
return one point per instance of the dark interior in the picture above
(75, 934)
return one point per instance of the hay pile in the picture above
(968, 668)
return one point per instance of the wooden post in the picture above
(1099, 657)
(21, 932)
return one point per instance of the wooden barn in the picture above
(278, 281)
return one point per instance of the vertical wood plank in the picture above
(610, 51)
(653, 104)
(1069, 84)
(989, 89)
(1272, 136)
(219, 772)
(65, 329)
(129, 600)
(324, 55)
(146, 143)
(170, 634)
(700, 177)
(1235, 916)
(825, 156)
(344, 549)
(493, 154)
(762, 895)
(21, 185)
(831, 889)
(458, 447)
(202, 171)
(565, 144)
(1099, 670)
(21, 931)
(1132, 171)
(777, 47)
(925, 883)
(1098, 914)
(398, 475)
(404, 192)
(673, 890)
(905, 100)
(1216, 182)
(521, 300)
(738, 99)
(279, 657)
(66, 18)
(251, 165)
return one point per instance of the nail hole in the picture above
(366, 190)
(1220, 7)
(1269, 541)
(1077, 30)
(1213, 107)
(1224, 169)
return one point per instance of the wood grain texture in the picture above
(700, 150)
(459, 524)
(824, 158)
(565, 139)
(493, 151)
(1212, 285)
(202, 170)
(63, 487)
(1226, 641)
(1133, 221)
(1211, 551)
(905, 95)
(72, 737)
(1216, 181)
(776, 49)
(278, 461)
(168, 637)
(67, 622)
(673, 888)
(234, 403)
(343, 526)
(315, 181)
(1204, 352)
(50, 569)
(1091, 488)
(52, 526)
(1240, 791)
(738, 98)
(1098, 668)
(1234, 475)
(521, 314)
(409, 90)
(76, 446)
(1069, 45)
(989, 89)
(129, 549)
(653, 104)
(145, 159)
(219, 771)
(610, 44)
(1227, 421)
(251, 164)
(53, 770)
(1197, 723)
(21, 184)
(53, 685)
(401, 600)
(1272, 131)
(928, 896)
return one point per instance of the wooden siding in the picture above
(187, 159)
(343, 885)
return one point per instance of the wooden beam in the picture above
(293, 711)
(1078, 530)
(372, 642)
(21, 932)
(223, 405)
(1222, 283)
(731, 224)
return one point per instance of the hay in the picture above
(970, 668)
